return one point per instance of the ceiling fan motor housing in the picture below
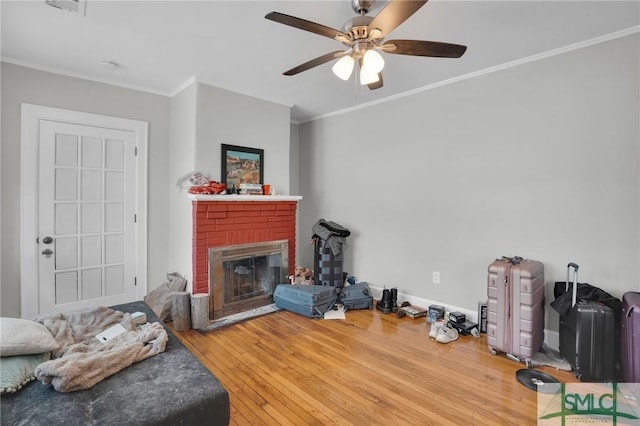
(361, 7)
(357, 28)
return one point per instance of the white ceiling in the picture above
(163, 45)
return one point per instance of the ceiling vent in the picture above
(75, 6)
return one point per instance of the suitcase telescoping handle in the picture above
(574, 292)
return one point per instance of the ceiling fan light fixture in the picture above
(372, 62)
(344, 67)
(368, 78)
(364, 37)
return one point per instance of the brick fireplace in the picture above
(232, 220)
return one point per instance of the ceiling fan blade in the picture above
(315, 62)
(303, 24)
(424, 48)
(377, 84)
(394, 14)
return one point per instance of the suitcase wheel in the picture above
(493, 351)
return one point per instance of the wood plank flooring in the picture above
(370, 369)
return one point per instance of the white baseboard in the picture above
(376, 292)
(551, 338)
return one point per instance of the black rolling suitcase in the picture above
(589, 329)
(589, 342)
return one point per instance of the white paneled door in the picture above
(86, 216)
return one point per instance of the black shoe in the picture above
(384, 304)
(394, 300)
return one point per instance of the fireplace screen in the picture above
(243, 277)
(250, 277)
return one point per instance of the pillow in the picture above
(16, 371)
(24, 337)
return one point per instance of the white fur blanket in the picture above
(82, 360)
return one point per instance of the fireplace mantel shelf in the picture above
(234, 197)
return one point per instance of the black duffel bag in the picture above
(563, 293)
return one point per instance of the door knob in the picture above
(47, 240)
(47, 252)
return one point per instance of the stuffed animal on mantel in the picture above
(302, 276)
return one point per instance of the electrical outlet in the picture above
(436, 277)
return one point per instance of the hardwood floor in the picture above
(369, 369)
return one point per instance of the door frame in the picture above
(29, 139)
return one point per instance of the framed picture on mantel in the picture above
(242, 165)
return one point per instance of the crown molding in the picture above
(517, 62)
(81, 76)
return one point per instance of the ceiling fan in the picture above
(364, 36)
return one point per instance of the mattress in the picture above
(171, 388)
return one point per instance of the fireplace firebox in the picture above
(242, 277)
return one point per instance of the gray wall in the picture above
(182, 153)
(185, 133)
(202, 118)
(20, 84)
(423, 186)
(294, 155)
(540, 160)
(294, 184)
(235, 119)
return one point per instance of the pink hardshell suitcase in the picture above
(515, 308)
(630, 337)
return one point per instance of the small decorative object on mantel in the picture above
(242, 165)
(209, 188)
(250, 189)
